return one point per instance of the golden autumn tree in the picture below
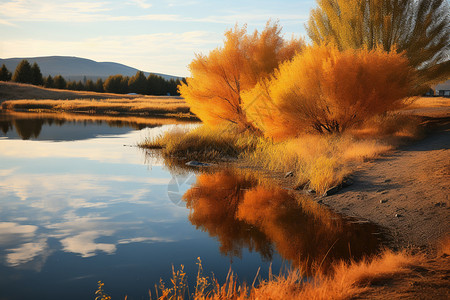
(421, 28)
(218, 79)
(329, 90)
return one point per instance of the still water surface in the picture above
(78, 205)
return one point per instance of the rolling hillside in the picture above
(76, 68)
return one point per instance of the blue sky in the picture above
(155, 36)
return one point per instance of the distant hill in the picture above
(76, 68)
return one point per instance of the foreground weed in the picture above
(100, 292)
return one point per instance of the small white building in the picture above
(442, 89)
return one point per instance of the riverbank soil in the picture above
(428, 281)
(406, 191)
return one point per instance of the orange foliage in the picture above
(327, 90)
(242, 213)
(214, 89)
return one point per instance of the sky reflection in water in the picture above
(77, 211)
(73, 212)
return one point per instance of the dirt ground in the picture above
(406, 191)
(430, 281)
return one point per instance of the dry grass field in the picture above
(26, 97)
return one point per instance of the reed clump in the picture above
(203, 143)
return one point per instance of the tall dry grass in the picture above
(320, 161)
(348, 281)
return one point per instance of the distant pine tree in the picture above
(80, 86)
(5, 74)
(90, 85)
(156, 85)
(138, 83)
(48, 82)
(99, 86)
(36, 75)
(60, 82)
(23, 72)
(116, 84)
(72, 85)
(124, 84)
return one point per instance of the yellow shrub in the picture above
(217, 80)
(326, 90)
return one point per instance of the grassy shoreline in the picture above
(315, 162)
(136, 107)
(28, 98)
(388, 275)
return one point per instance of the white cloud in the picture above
(260, 18)
(7, 172)
(74, 191)
(84, 244)
(11, 233)
(176, 3)
(143, 239)
(4, 22)
(141, 3)
(154, 17)
(25, 253)
(45, 10)
(93, 149)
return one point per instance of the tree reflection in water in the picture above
(242, 212)
(29, 124)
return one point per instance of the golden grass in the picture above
(348, 281)
(145, 106)
(202, 143)
(17, 91)
(318, 162)
(322, 161)
(436, 107)
(32, 98)
(428, 102)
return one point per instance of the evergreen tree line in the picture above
(139, 83)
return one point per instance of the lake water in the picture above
(80, 203)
